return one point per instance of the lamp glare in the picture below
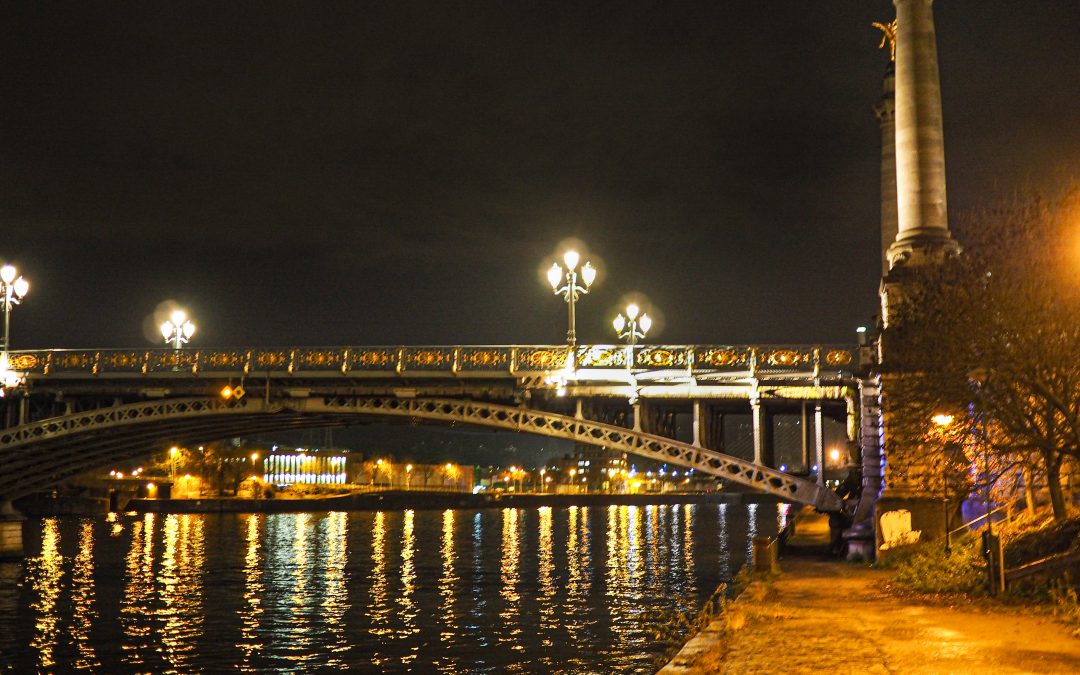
(571, 259)
(554, 275)
(588, 274)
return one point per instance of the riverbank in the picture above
(844, 615)
(404, 499)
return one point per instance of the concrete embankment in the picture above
(402, 499)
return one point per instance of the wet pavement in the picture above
(828, 616)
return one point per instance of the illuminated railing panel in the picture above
(496, 360)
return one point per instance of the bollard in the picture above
(763, 556)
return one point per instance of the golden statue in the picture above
(889, 30)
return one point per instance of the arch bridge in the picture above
(81, 410)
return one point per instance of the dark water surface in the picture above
(558, 590)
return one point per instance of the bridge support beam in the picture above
(819, 444)
(11, 532)
(757, 412)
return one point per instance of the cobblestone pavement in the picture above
(825, 616)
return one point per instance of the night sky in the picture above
(403, 172)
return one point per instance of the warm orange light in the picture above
(942, 419)
(226, 392)
(834, 455)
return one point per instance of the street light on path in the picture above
(564, 282)
(943, 421)
(177, 329)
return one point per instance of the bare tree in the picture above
(993, 337)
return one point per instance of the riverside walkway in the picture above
(827, 616)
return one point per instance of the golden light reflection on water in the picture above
(652, 544)
(689, 576)
(505, 595)
(408, 583)
(336, 593)
(624, 577)
(448, 581)
(46, 571)
(135, 605)
(510, 629)
(751, 529)
(180, 612)
(546, 577)
(724, 553)
(84, 613)
(300, 635)
(252, 610)
(378, 608)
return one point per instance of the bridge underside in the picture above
(42, 454)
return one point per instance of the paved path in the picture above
(825, 616)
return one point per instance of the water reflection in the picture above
(46, 571)
(401, 591)
(179, 585)
(510, 630)
(751, 530)
(335, 593)
(82, 598)
(546, 577)
(448, 582)
(136, 602)
(252, 610)
(408, 584)
(722, 541)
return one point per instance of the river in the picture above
(538, 590)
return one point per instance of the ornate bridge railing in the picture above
(419, 361)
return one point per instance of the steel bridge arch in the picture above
(36, 455)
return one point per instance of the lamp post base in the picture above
(901, 521)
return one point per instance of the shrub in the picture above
(927, 569)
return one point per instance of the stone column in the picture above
(757, 416)
(885, 112)
(922, 218)
(904, 513)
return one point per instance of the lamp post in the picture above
(570, 288)
(173, 452)
(943, 421)
(632, 326)
(177, 329)
(13, 289)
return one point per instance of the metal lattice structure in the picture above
(34, 456)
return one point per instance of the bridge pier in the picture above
(11, 532)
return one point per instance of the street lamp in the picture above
(570, 289)
(173, 452)
(408, 476)
(943, 421)
(12, 290)
(177, 329)
(632, 327)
